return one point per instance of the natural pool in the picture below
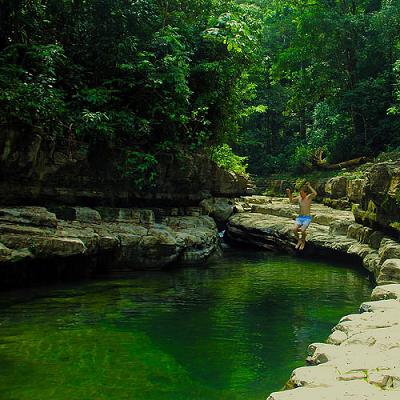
(234, 329)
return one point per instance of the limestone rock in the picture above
(340, 226)
(384, 339)
(355, 189)
(4, 251)
(379, 207)
(371, 262)
(359, 232)
(257, 199)
(380, 305)
(57, 247)
(358, 390)
(218, 208)
(320, 353)
(389, 272)
(336, 337)
(389, 249)
(81, 214)
(361, 250)
(384, 292)
(321, 375)
(40, 170)
(375, 239)
(130, 237)
(357, 323)
(336, 187)
(30, 216)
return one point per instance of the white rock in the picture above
(337, 337)
(321, 375)
(320, 353)
(381, 338)
(383, 292)
(389, 272)
(357, 390)
(380, 305)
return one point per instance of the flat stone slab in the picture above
(274, 232)
(321, 214)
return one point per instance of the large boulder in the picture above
(380, 202)
(218, 208)
(336, 187)
(389, 272)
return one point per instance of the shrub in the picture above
(224, 156)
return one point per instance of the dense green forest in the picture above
(279, 81)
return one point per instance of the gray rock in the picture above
(353, 231)
(380, 305)
(81, 214)
(130, 235)
(384, 292)
(30, 216)
(339, 227)
(218, 208)
(389, 272)
(375, 239)
(336, 187)
(355, 189)
(371, 262)
(389, 249)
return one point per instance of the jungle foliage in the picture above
(144, 76)
(330, 82)
(278, 81)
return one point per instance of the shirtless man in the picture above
(304, 219)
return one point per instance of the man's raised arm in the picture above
(313, 193)
(292, 199)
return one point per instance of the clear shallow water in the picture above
(232, 330)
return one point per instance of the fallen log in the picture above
(349, 163)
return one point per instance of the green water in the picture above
(231, 330)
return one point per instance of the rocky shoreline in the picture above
(117, 238)
(361, 359)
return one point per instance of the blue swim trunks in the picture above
(303, 221)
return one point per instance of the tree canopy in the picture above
(329, 82)
(279, 81)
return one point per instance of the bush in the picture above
(301, 159)
(224, 156)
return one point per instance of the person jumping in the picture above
(303, 221)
